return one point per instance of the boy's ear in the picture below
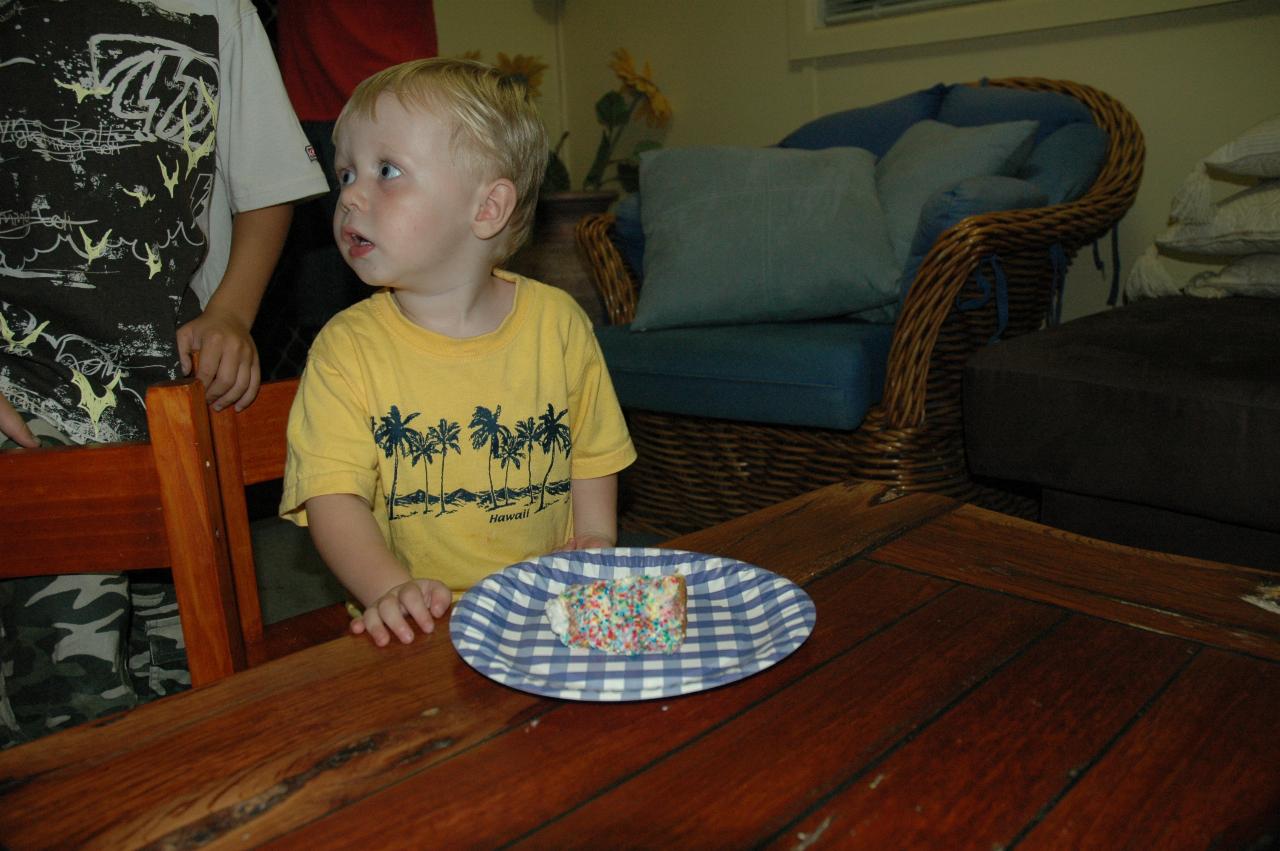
(496, 206)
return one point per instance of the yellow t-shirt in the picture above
(464, 448)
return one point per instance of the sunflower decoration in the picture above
(638, 96)
(650, 103)
(526, 69)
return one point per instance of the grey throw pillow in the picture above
(737, 235)
(932, 156)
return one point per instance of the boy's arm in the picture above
(351, 544)
(595, 512)
(228, 357)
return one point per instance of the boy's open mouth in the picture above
(359, 245)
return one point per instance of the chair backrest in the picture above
(131, 506)
(249, 449)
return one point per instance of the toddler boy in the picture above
(460, 419)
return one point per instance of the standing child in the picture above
(151, 159)
(460, 419)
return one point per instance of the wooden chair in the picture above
(913, 439)
(249, 449)
(130, 506)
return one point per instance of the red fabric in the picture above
(326, 47)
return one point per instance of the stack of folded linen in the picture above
(1242, 230)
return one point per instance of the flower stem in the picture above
(609, 139)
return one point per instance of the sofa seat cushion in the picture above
(1172, 403)
(825, 374)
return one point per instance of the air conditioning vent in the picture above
(835, 12)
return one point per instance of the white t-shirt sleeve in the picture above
(262, 155)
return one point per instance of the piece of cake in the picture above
(627, 616)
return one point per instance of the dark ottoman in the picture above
(1156, 424)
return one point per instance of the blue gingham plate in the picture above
(741, 619)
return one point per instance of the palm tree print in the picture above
(444, 439)
(394, 438)
(486, 430)
(509, 456)
(525, 441)
(552, 434)
(422, 449)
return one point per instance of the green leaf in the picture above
(556, 177)
(612, 110)
(595, 175)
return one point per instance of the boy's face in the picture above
(405, 213)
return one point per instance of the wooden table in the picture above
(973, 681)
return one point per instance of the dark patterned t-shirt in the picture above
(107, 141)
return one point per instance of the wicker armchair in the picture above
(694, 472)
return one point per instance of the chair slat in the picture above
(90, 509)
(178, 418)
(133, 506)
(250, 448)
(261, 432)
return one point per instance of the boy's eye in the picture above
(346, 176)
(388, 171)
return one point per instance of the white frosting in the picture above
(558, 614)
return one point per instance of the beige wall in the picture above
(1193, 78)
(512, 27)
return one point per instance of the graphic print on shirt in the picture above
(107, 130)
(539, 442)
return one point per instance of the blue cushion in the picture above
(875, 127)
(735, 235)
(824, 374)
(932, 156)
(628, 233)
(971, 197)
(1067, 162)
(969, 106)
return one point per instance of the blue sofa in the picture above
(773, 330)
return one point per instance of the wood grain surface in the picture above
(971, 681)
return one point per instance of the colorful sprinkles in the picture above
(627, 616)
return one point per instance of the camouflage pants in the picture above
(76, 647)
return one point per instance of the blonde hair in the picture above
(496, 129)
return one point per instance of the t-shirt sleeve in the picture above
(262, 152)
(331, 447)
(601, 443)
(261, 155)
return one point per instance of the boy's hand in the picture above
(14, 427)
(421, 600)
(228, 358)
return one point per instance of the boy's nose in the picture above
(351, 196)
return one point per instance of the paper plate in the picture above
(741, 619)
